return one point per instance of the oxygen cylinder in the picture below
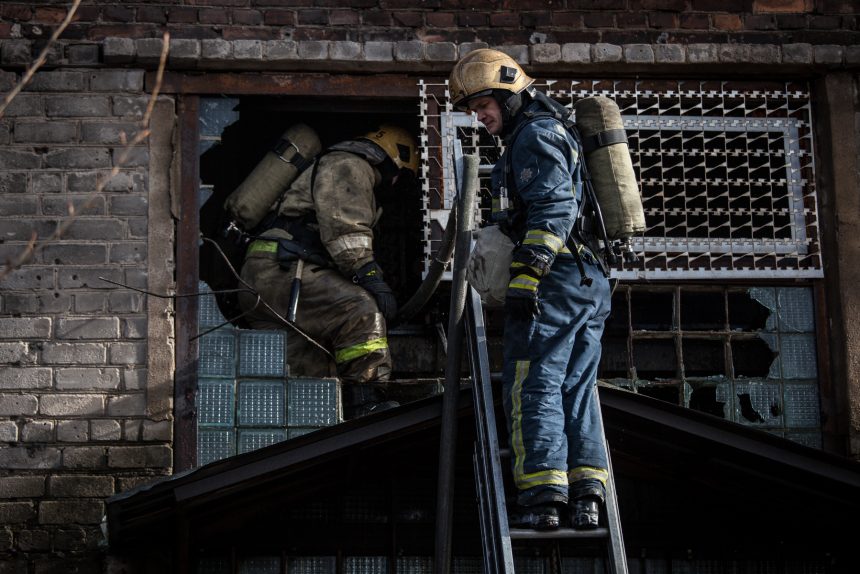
(294, 152)
(607, 157)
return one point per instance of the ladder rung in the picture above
(560, 534)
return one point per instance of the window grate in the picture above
(726, 174)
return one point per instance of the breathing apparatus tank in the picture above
(294, 152)
(607, 159)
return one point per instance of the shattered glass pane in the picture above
(746, 313)
(261, 403)
(774, 370)
(311, 565)
(799, 359)
(262, 353)
(217, 353)
(767, 297)
(260, 565)
(801, 406)
(214, 445)
(253, 439)
(216, 402)
(758, 403)
(216, 114)
(754, 357)
(708, 397)
(703, 357)
(365, 565)
(312, 402)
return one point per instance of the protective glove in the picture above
(369, 276)
(527, 269)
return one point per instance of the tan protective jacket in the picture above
(345, 207)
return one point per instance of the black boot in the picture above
(540, 512)
(361, 400)
(587, 497)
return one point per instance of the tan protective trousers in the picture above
(338, 314)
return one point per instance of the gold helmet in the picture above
(398, 144)
(480, 72)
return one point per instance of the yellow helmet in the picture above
(398, 144)
(480, 72)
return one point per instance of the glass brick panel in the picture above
(313, 402)
(261, 403)
(767, 297)
(801, 405)
(798, 356)
(571, 565)
(811, 439)
(215, 398)
(214, 565)
(208, 313)
(796, 310)
(260, 565)
(414, 565)
(214, 444)
(311, 565)
(365, 507)
(365, 565)
(758, 403)
(529, 565)
(217, 354)
(297, 432)
(262, 353)
(253, 439)
(469, 565)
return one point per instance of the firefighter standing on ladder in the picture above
(321, 231)
(556, 302)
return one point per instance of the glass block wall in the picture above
(246, 400)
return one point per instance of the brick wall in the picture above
(85, 367)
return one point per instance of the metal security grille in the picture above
(726, 173)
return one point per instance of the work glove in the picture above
(527, 269)
(369, 276)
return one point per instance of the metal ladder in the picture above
(496, 536)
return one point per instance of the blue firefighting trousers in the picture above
(549, 377)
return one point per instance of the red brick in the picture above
(505, 19)
(444, 19)
(343, 18)
(597, 4)
(734, 6)
(213, 16)
(471, 19)
(781, 6)
(393, 4)
(599, 20)
(16, 12)
(247, 17)
(191, 32)
(279, 18)
(376, 17)
(408, 19)
(100, 32)
(318, 17)
(665, 5)
(727, 22)
(333, 34)
(790, 21)
(287, 3)
(233, 3)
(565, 19)
(826, 23)
(118, 14)
(182, 15)
(839, 6)
(527, 4)
(50, 15)
(5, 30)
(155, 14)
(540, 20)
(663, 20)
(760, 22)
(629, 20)
(576, 37)
(694, 21)
(87, 14)
(245, 33)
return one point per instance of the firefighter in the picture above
(557, 299)
(321, 232)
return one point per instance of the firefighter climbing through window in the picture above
(312, 261)
(558, 294)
